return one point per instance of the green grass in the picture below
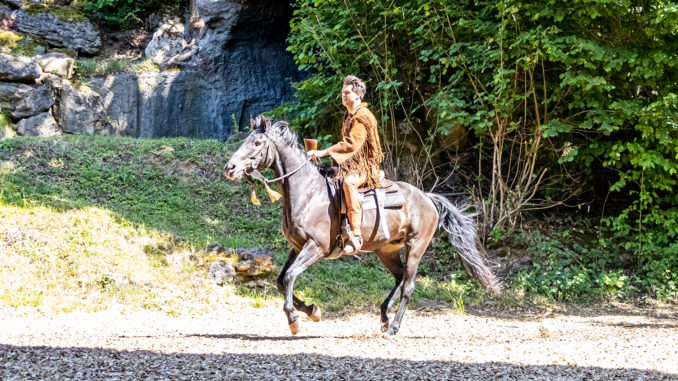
(76, 209)
(93, 67)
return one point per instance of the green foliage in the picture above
(126, 14)
(555, 95)
(92, 67)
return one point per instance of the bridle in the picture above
(255, 174)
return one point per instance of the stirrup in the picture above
(354, 244)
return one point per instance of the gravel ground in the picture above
(242, 342)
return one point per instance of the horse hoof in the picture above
(391, 331)
(295, 327)
(384, 326)
(316, 315)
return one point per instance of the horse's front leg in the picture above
(312, 311)
(308, 255)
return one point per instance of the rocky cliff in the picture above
(227, 61)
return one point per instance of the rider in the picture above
(358, 155)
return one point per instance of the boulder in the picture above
(56, 63)
(59, 28)
(254, 264)
(221, 272)
(80, 111)
(24, 101)
(13, 3)
(19, 69)
(39, 125)
(169, 46)
(119, 98)
(5, 11)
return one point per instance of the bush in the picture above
(566, 104)
(127, 14)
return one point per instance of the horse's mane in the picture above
(280, 129)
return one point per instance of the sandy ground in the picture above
(243, 342)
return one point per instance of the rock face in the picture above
(25, 101)
(56, 63)
(78, 34)
(246, 50)
(80, 111)
(39, 125)
(183, 103)
(169, 46)
(22, 69)
(235, 66)
(118, 95)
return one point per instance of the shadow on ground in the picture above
(37, 362)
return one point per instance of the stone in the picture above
(5, 11)
(80, 111)
(13, 3)
(114, 279)
(247, 254)
(24, 101)
(56, 63)
(73, 33)
(254, 263)
(168, 45)
(39, 125)
(118, 95)
(19, 69)
(220, 273)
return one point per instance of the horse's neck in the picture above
(295, 186)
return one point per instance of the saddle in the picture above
(389, 195)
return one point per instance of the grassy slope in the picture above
(76, 209)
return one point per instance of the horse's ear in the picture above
(251, 123)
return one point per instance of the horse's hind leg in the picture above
(390, 257)
(312, 311)
(414, 250)
(308, 255)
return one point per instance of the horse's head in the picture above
(256, 152)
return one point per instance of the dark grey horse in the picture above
(311, 222)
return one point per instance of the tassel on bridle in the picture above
(273, 195)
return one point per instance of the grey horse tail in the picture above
(462, 234)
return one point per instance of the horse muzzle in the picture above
(232, 172)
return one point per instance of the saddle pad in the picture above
(394, 198)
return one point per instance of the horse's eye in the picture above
(257, 143)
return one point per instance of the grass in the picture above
(93, 67)
(93, 221)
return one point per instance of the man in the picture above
(358, 155)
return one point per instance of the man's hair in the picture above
(357, 83)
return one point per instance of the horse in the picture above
(311, 222)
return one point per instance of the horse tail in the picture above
(462, 234)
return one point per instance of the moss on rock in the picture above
(63, 13)
(22, 44)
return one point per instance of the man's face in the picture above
(348, 96)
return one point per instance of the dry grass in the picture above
(83, 259)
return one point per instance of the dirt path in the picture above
(242, 342)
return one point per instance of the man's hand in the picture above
(314, 154)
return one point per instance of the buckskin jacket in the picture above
(359, 150)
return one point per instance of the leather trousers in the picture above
(354, 208)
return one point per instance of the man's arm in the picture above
(346, 147)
